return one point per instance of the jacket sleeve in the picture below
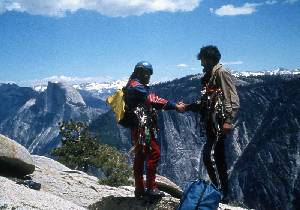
(231, 99)
(160, 103)
(194, 107)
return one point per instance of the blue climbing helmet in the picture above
(142, 66)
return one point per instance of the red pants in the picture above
(144, 154)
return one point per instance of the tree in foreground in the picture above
(79, 150)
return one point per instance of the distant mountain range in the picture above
(99, 90)
(102, 90)
(263, 151)
(277, 71)
(31, 118)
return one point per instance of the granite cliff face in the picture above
(266, 173)
(263, 151)
(31, 118)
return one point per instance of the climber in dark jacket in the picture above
(218, 106)
(144, 104)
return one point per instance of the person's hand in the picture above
(227, 127)
(180, 107)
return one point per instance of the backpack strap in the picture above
(213, 77)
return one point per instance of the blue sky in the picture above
(102, 40)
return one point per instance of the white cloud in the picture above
(233, 63)
(231, 10)
(67, 79)
(246, 9)
(182, 65)
(113, 8)
(290, 1)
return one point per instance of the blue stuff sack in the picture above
(200, 195)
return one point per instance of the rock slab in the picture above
(15, 160)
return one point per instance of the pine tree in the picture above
(81, 151)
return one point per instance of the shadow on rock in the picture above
(131, 203)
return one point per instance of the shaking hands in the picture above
(180, 107)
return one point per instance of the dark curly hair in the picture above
(210, 53)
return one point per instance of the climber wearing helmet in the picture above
(145, 104)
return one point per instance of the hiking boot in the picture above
(138, 193)
(155, 193)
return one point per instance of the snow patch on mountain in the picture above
(27, 105)
(277, 71)
(40, 88)
(118, 84)
(103, 89)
